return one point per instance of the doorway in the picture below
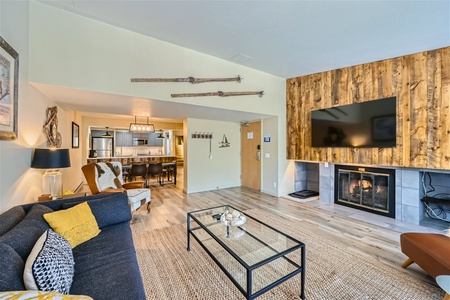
(251, 155)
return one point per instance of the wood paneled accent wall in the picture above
(421, 83)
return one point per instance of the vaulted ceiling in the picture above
(283, 38)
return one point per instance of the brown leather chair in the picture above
(430, 251)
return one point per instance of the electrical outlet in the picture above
(274, 184)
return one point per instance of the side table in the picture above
(444, 282)
(48, 198)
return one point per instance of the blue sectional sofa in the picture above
(105, 266)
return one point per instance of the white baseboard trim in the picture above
(270, 193)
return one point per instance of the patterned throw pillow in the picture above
(50, 265)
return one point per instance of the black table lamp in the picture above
(51, 159)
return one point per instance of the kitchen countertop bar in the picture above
(126, 160)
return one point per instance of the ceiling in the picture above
(283, 38)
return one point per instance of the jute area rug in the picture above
(169, 271)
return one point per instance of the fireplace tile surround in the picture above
(408, 188)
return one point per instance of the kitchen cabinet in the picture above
(154, 141)
(97, 133)
(137, 135)
(119, 138)
(124, 139)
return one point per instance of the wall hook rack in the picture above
(202, 135)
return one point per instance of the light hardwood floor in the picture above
(370, 234)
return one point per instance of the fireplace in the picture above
(369, 189)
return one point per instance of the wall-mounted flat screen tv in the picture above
(366, 124)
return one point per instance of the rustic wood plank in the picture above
(433, 110)
(306, 115)
(421, 83)
(419, 122)
(396, 66)
(291, 119)
(445, 108)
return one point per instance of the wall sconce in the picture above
(51, 159)
(140, 127)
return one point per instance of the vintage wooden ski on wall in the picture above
(219, 93)
(188, 79)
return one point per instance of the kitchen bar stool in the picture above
(136, 170)
(155, 170)
(169, 169)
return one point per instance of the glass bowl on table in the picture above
(233, 219)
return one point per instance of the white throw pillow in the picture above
(50, 265)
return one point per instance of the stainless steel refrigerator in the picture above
(103, 146)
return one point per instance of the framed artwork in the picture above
(384, 128)
(9, 86)
(75, 135)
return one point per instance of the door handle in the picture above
(258, 155)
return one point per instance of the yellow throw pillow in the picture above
(77, 224)
(33, 295)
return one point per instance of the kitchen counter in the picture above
(126, 160)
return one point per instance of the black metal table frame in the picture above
(248, 293)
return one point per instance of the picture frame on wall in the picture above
(9, 86)
(384, 128)
(75, 135)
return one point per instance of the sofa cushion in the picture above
(49, 266)
(77, 224)
(110, 258)
(33, 295)
(11, 266)
(25, 234)
(11, 218)
(108, 211)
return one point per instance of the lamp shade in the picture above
(51, 159)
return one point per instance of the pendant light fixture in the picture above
(140, 127)
(160, 136)
(107, 134)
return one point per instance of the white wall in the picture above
(74, 51)
(223, 169)
(269, 174)
(18, 182)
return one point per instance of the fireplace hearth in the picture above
(369, 189)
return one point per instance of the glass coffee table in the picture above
(255, 256)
